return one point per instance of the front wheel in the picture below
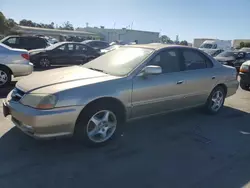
(216, 100)
(98, 125)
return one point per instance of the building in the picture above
(125, 35)
(236, 42)
(198, 41)
(55, 33)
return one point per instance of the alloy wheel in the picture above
(217, 100)
(3, 77)
(101, 126)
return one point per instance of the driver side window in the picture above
(168, 60)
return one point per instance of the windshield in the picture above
(119, 62)
(86, 41)
(227, 54)
(53, 46)
(206, 46)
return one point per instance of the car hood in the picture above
(68, 77)
(223, 59)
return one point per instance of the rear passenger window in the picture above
(12, 40)
(168, 60)
(195, 60)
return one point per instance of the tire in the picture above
(218, 95)
(5, 77)
(44, 62)
(244, 86)
(85, 125)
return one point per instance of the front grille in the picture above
(17, 94)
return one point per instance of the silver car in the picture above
(13, 62)
(93, 100)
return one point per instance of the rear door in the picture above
(60, 55)
(200, 76)
(79, 54)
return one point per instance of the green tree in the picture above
(67, 26)
(247, 44)
(242, 44)
(165, 39)
(6, 24)
(184, 42)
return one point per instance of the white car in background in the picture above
(13, 62)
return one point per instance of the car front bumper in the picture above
(245, 77)
(42, 124)
(21, 69)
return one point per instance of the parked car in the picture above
(25, 42)
(110, 48)
(245, 49)
(93, 100)
(13, 62)
(63, 53)
(213, 52)
(96, 44)
(233, 58)
(245, 75)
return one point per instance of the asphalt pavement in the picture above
(183, 149)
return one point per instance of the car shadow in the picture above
(183, 149)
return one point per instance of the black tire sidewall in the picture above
(80, 132)
(8, 75)
(209, 100)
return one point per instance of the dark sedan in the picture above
(63, 53)
(233, 58)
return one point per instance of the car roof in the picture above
(158, 46)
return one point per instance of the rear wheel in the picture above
(98, 125)
(44, 62)
(216, 100)
(5, 77)
(244, 86)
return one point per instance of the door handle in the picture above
(213, 77)
(180, 82)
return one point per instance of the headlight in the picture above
(39, 101)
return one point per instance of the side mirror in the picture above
(151, 70)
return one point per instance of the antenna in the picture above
(132, 25)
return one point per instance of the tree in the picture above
(247, 44)
(67, 26)
(242, 44)
(184, 42)
(166, 39)
(6, 25)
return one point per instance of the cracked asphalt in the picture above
(183, 149)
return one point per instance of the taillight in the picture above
(244, 68)
(26, 56)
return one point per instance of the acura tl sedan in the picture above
(92, 101)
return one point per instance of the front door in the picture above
(159, 93)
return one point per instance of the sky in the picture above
(189, 19)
